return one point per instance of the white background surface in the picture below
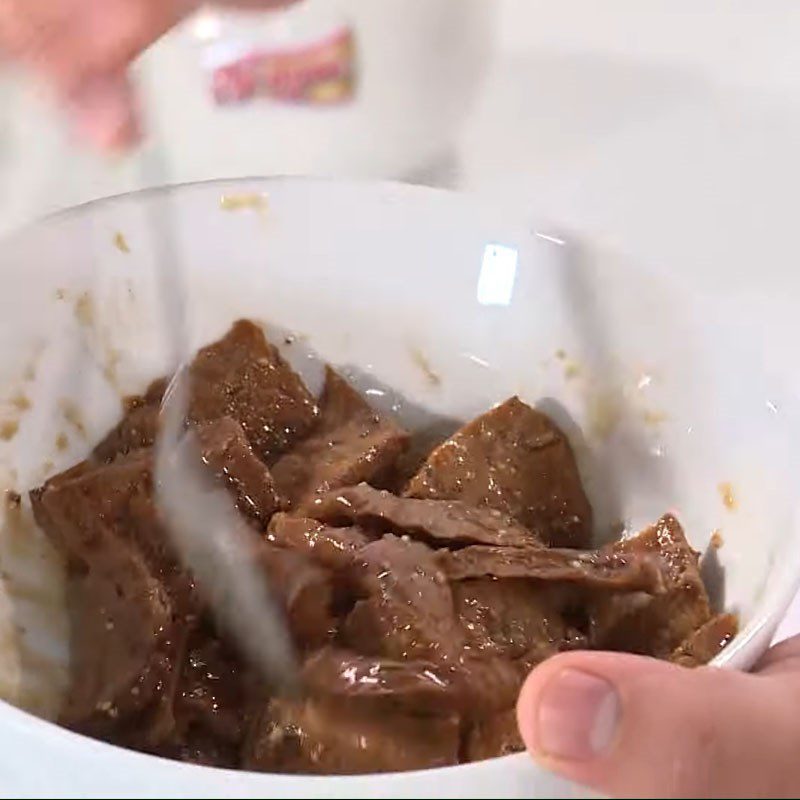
(666, 130)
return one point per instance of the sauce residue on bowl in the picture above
(728, 495)
(121, 243)
(245, 201)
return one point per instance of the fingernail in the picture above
(577, 716)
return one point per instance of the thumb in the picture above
(632, 726)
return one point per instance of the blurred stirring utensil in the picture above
(217, 545)
(210, 537)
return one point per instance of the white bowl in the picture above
(665, 400)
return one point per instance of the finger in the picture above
(71, 41)
(629, 726)
(257, 3)
(104, 112)
(782, 659)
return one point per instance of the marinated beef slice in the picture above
(116, 499)
(409, 611)
(202, 704)
(211, 702)
(134, 601)
(361, 714)
(89, 513)
(114, 502)
(421, 687)
(334, 548)
(406, 611)
(303, 590)
(497, 735)
(515, 619)
(706, 642)
(606, 569)
(509, 627)
(123, 644)
(129, 605)
(438, 521)
(138, 428)
(654, 624)
(225, 449)
(350, 444)
(241, 376)
(513, 459)
(325, 737)
(244, 377)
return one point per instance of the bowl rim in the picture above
(169, 188)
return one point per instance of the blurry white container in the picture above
(417, 66)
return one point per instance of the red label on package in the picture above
(318, 72)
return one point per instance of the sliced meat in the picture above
(515, 619)
(607, 569)
(205, 750)
(94, 504)
(494, 736)
(335, 738)
(491, 683)
(138, 428)
(212, 698)
(654, 624)
(510, 627)
(227, 452)
(419, 686)
(352, 443)
(112, 504)
(707, 642)
(407, 611)
(241, 376)
(513, 459)
(88, 513)
(431, 520)
(334, 548)
(122, 645)
(108, 506)
(42, 515)
(244, 377)
(304, 590)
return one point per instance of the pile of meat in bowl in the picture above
(419, 592)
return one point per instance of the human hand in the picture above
(83, 49)
(629, 726)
